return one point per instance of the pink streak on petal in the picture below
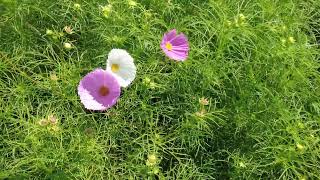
(180, 48)
(177, 55)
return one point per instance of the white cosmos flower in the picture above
(120, 63)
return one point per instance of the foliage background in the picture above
(257, 63)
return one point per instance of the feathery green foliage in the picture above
(255, 62)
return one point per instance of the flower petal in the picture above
(180, 40)
(127, 69)
(170, 35)
(180, 46)
(90, 85)
(88, 101)
(177, 55)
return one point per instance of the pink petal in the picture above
(88, 101)
(180, 48)
(180, 45)
(177, 55)
(180, 40)
(90, 85)
(169, 36)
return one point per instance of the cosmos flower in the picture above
(175, 46)
(99, 90)
(120, 63)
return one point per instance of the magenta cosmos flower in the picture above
(175, 46)
(99, 90)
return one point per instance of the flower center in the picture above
(104, 91)
(169, 46)
(115, 67)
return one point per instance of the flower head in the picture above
(89, 131)
(121, 64)
(175, 46)
(99, 90)
(43, 122)
(204, 101)
(291, 39)
(201, 113)
(152, 160)
(53, 76)
(68, 29)
(242, 17)
(76, 6)
(106, 10)
(242, 164)
(67, 46)
(149, 83)
(52, 119)
(55, 128)
(146, 81)
(132, 3)
(49, 32)
(300, 147)
(284, 27)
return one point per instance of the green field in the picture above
(256, 62)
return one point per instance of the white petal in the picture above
(88, 101)
(127, 69)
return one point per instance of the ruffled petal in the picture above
(127, 69)
(170, 35)
(89, 87)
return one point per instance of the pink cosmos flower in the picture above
(99, 90)
(175, 46)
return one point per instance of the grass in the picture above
(256, 62)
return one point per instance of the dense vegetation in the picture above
(244, 105)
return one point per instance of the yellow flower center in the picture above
(169, 46)
(104, 91)
(115, 67)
